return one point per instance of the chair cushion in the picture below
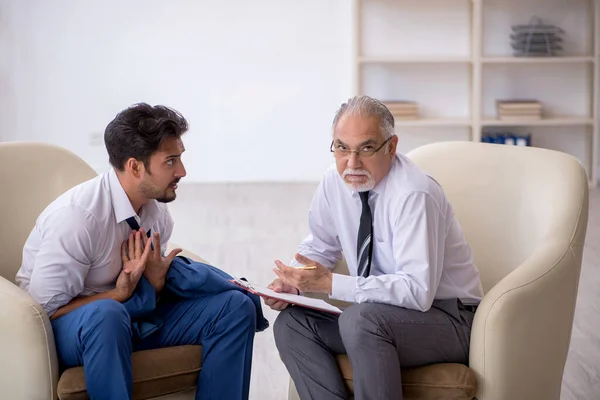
(437, 381)
(155, 373)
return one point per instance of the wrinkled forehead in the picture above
(354, 129)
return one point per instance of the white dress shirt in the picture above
(419, 251)
(75, 247)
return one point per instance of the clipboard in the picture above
(302, 301)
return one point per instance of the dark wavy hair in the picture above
(138, 132)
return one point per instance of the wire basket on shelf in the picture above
(536, 39)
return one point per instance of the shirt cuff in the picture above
(343, 287)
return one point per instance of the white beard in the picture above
(359, 187)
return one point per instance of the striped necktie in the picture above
(364, 248)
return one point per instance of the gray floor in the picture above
(243, 228)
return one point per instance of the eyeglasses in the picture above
(339, 150)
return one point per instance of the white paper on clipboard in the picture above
(302, 301)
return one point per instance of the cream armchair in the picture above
(524, 212)
(31, 176)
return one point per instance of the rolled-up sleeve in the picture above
(64, 258)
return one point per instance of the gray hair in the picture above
(366, 106)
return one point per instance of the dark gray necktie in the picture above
(364, 246)
(133, 224)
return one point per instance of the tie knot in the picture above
(364, 197)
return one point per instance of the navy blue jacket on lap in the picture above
(186, 279)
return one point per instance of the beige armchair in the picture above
(524, 212)
(31, 176)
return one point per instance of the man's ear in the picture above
(393, 144)
(134, 167)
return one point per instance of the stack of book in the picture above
(519, 110)
(403, 110)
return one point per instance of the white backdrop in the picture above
(258, 81)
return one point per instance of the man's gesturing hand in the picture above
(158, 266)
(316, 280)
(134, 263)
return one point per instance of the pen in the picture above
(308, 267)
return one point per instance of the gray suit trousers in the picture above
(378, 338)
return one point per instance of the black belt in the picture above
(471, 308)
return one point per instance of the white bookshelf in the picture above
(417, 60)
(534, 60)
(454, 58)
(464, 122)
(567, 121)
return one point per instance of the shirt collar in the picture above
(121, 203)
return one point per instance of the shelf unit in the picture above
(453, 57)
(415, 60)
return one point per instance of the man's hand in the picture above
(134, 263)
(316, 280)
(158, 266)
(278, 286)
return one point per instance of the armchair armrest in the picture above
(185, 253)
(28, 366)
(522, 328)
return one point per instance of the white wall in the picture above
(258, 81)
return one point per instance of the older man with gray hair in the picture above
(412, 279)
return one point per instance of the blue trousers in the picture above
(99, 336)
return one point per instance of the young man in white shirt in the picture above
(107, 288)
(412, 276)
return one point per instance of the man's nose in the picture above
(354, 161)
(181, 172)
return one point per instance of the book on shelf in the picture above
(507, 138)
(519, 104)
(519, 109)
(406, 117)
(532, 117)
(403, 110)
